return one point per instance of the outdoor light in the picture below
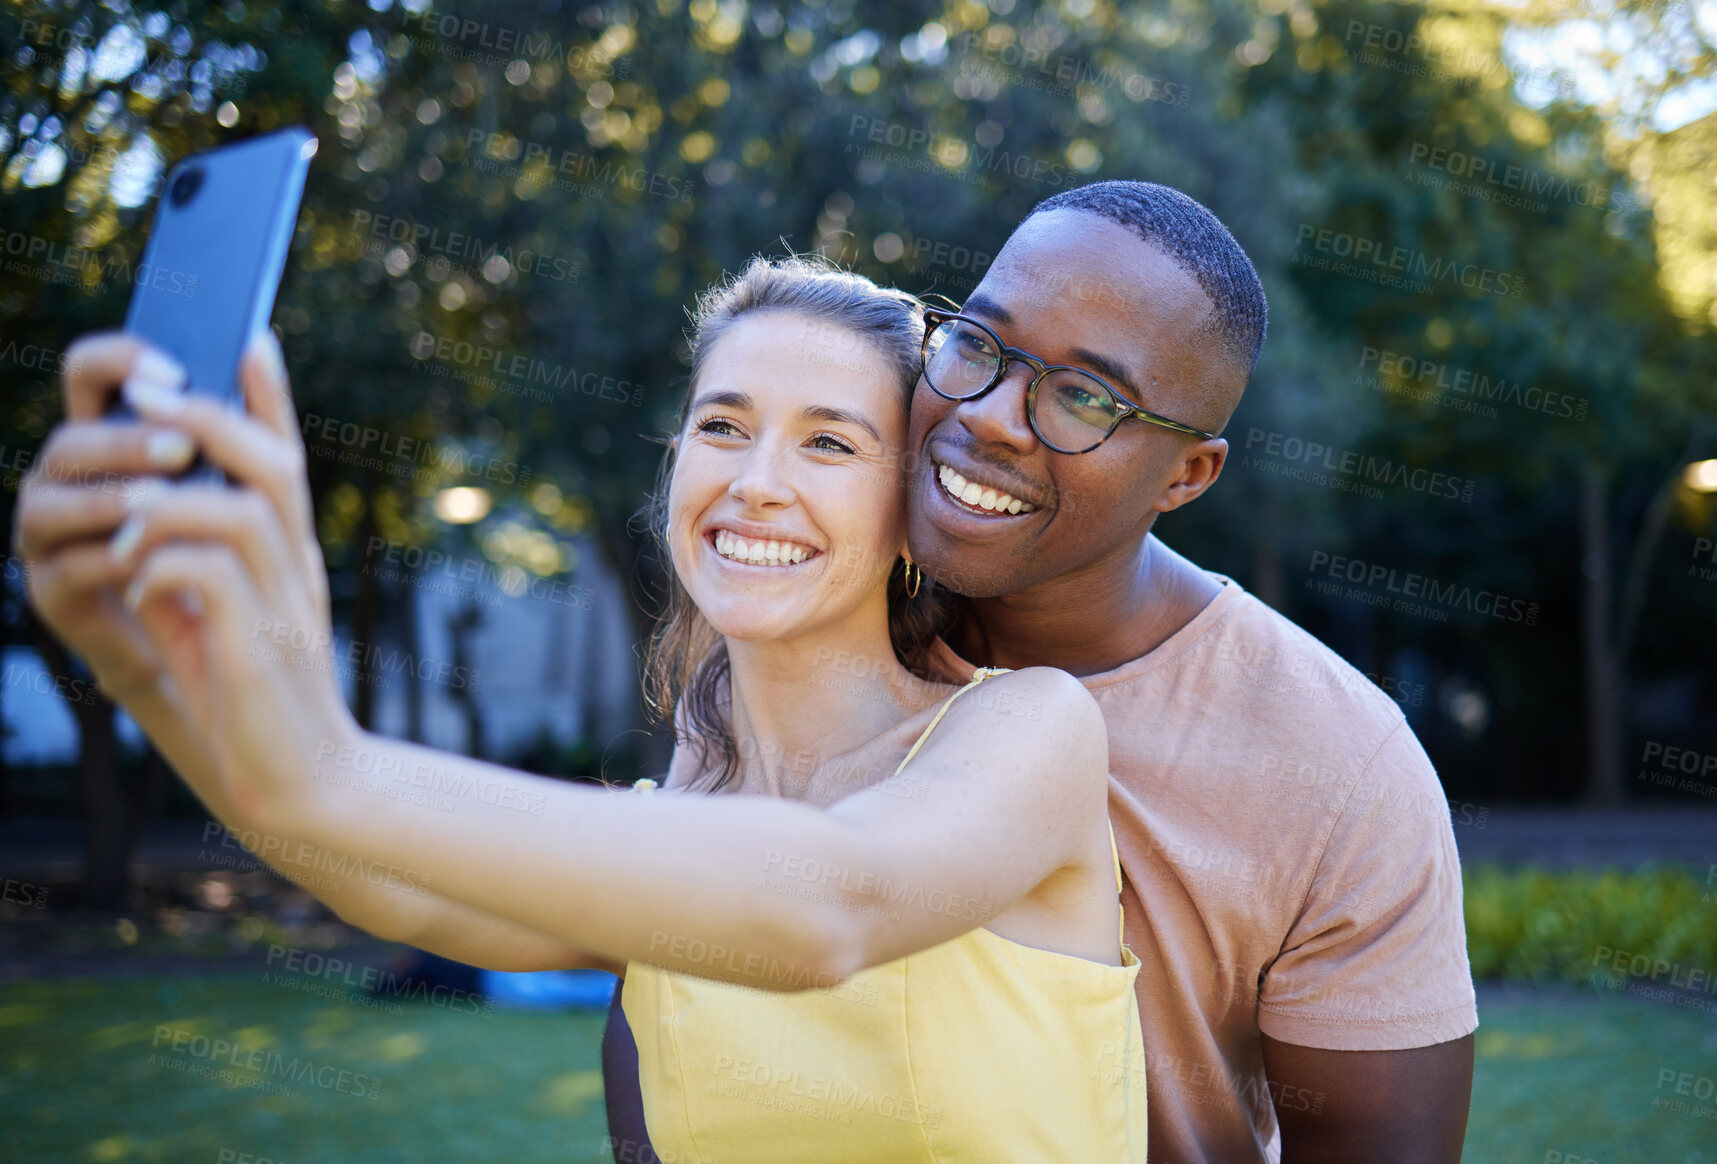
(462, 505)
(1701, 476)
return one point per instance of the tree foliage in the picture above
(515, 203)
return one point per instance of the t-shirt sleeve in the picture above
(1377, 958)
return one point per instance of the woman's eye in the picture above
(718, 427)
(832, 444)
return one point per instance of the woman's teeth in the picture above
(760, 553)
(981, 496)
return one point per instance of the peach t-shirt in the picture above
(1290, 869)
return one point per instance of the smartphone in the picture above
(213, 261)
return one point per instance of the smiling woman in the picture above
(782, 506)
(896, 889)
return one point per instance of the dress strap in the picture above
(978, 676)
(1116, 853)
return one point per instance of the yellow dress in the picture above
(977, 1051)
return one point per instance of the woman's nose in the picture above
(761, 482)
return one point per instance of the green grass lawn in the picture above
(1571, 1072)
(1557, 1072)
(78, 1084)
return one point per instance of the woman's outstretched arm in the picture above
(753, 889)
(362, 895)
(770, 892)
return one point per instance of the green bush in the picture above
(1546, 926)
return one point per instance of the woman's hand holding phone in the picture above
(230, 590)
(91, 472)
(217, 248)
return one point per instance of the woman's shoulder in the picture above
(1036, 738)
(1043, 709)
(1037, 691)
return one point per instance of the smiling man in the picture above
(1292, 887)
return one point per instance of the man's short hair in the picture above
(1199, 244)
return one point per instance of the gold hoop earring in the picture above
(914, 578)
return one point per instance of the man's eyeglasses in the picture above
(1070, 410)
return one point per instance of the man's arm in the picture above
(1366, 1016)
(1377, 1107)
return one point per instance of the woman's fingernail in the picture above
(168, 448)
(126, 540)
(134, 593)
(158, 368)
(151, 399)
(276, 362)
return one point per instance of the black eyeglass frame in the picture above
(934, 318)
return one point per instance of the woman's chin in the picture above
(752, 620)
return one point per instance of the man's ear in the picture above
(1199, 471)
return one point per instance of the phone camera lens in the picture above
(186, 184)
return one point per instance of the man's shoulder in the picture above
(1341, 739)
(1256, 653)
(1271, 714)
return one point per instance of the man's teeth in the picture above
(981, 496)
(760, 552)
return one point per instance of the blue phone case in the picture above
(214, 259)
